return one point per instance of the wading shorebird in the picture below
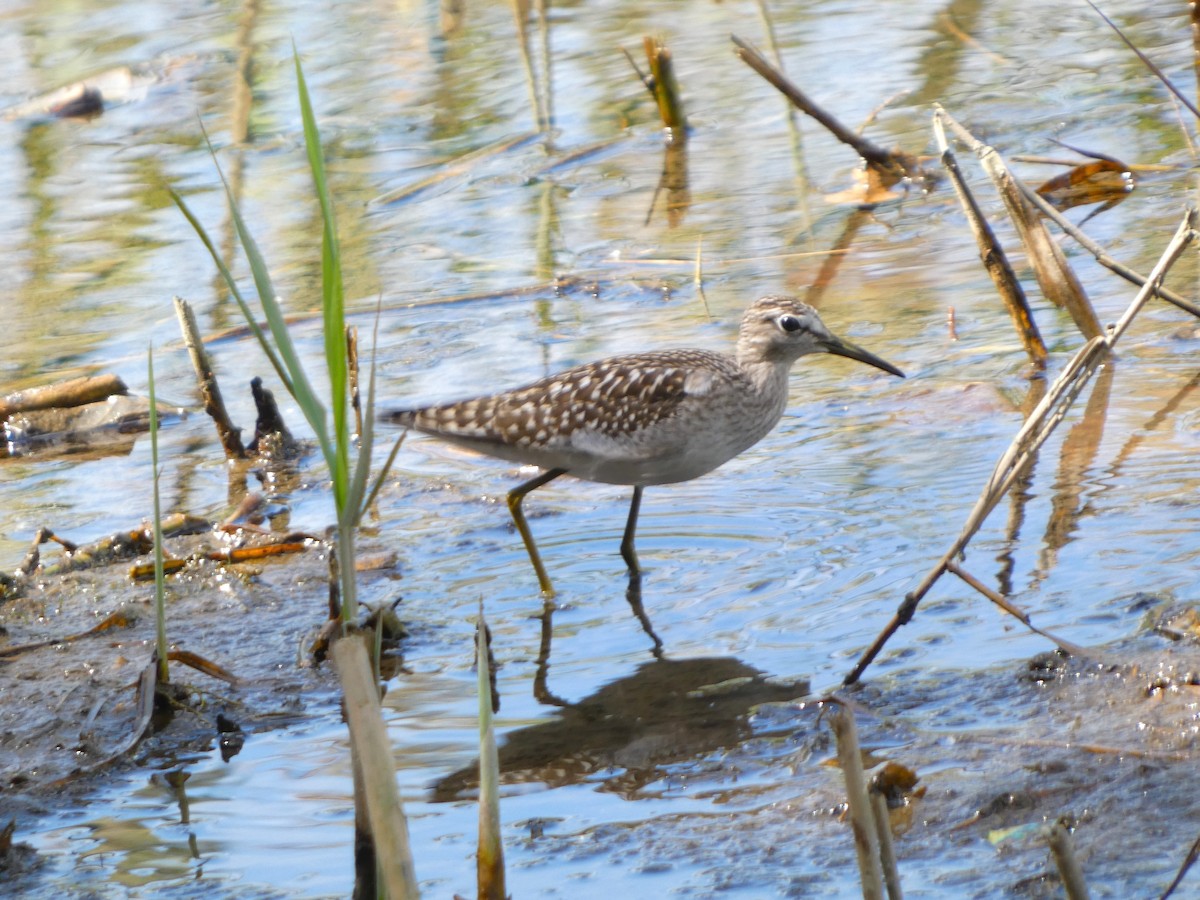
(658, 417)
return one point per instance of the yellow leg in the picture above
(627, 552)
(515, 496)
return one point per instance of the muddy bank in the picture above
(71, 707)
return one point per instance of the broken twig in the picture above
(210, 391)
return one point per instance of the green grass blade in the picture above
(382, 476)
(160, 590)
(367, 439)
(300, 388)
(333, 299)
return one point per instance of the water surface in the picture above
(789, 559)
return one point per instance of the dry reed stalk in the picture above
(665, 87)
(862, 822)
(1063, 849)
(1033, 433)
(1146, 61)
(1013, 610)
(1054, 275)
(373, 759)
(993, 256)
(490, 858)
(210, 392)
(1188, 861)
(1100, 254)
(887, 851)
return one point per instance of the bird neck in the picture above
(769, 376)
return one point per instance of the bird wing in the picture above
(615, 398)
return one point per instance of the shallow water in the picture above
(790, 558)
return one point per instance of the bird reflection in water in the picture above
(666, 712)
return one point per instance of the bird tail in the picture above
(402, 417)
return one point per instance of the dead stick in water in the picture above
(887, 851)
(64, 394)
(1033, 433)
(1063, 849)
(898, 165)
(210, 391)
(1054, 274)
(862, 821)
(1100, 254)
(664, 87)
(994, 258)
(1017, 613)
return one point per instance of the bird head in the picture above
(781, 330)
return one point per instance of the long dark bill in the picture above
(840, 347)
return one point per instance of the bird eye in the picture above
(789, 323)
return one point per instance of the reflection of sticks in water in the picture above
(547, 122)
(1079, 450)
(1019, 494)
(794, 133)
(243, 79)
(674, 179)
(833, 262)
(521, 15)
(549, 287)
(454, 168)
(450, 17)
(1151, 425)
(1040, 424)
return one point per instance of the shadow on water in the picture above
(628, 733)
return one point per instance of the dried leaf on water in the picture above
(870, 188)
(203, 664)
(1100, 181)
